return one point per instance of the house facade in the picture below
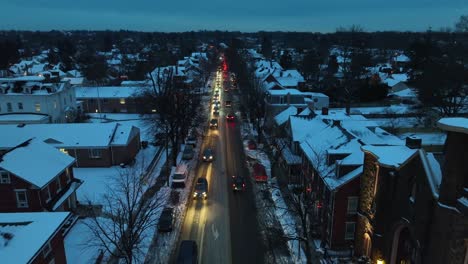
(108, 99)
(92, 145)
(33, 95)
(34, 238)
(413, 207)
(36, 177)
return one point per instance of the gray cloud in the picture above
(244, 15)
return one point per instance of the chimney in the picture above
(454, 168)
(348, 108)
(177, 69)
(413, 142)
(281, 73)
(324, 110)
(336, 122)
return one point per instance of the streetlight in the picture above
(380, 261)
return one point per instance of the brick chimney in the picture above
(324, 110)
(413, 142)
(454, 168)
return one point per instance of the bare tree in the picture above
(127, 218)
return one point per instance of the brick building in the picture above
(34, 238)
(92, 145)
(36, 177)
(412, 207)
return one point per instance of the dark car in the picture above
(201, 189)
(214, 123)
(192, 138)
(188, 152)
(166, 220)
(208, 155)
(188, 252)
(230, 117)
(216, 113)
(228, 103)
(238, 183)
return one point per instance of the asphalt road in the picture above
(224, 225)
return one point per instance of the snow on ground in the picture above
(76, 243)
(287, 222)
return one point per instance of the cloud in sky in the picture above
(243, 15)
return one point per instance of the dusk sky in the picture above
(243, 15)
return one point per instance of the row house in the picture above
(413, 205)
(34, 238)
(332, 163)
(36, 177)
(29, 96)
(91, 144)
(109, 99)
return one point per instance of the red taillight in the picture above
(233, 185)
(243, 185)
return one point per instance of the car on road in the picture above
(201, 189)
(230, 117)
(215, 108)
(216, 113)
(238, 183)
(166, 220)
(188, 252)
(188, 152)
(214, 123)
(208, 155)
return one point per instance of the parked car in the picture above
(201, 189)
(188, 152)
(238, 183)
(208, 155)
(230, 117)
(214, 123)
(179, 175)
(191, 138)
(251, 144)
(228, 103)
(166, 220)
(188, 252)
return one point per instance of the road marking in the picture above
(215, 231)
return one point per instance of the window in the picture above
(48, 196)
(63, 150)
(46, 250)
(68, 175)
(9, 107)
(95, 153)
(37, 107)
(59, 185)
(21, 199)
(350, 227)
(4, 177)
(20, 106)
(122, 100)
(352, 204)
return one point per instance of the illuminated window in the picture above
(153, 110)
(95, 153)
(37, 107)
(122, 100)
(63, 150)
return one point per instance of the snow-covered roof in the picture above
(107, 92)
(313, 95)
(406, 93)
(433, 172)
(335, 183)
(282, 117)
(29, 232)
(73, 135)
(390, 156)
(454, 124)
(368, 132)
(285, 92)
(21, 118)
(395, 78)
(401, 58)
(36, 162)
(74, 80)
(289, 157)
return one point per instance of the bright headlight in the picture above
(211, 157)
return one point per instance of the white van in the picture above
(179, 176)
